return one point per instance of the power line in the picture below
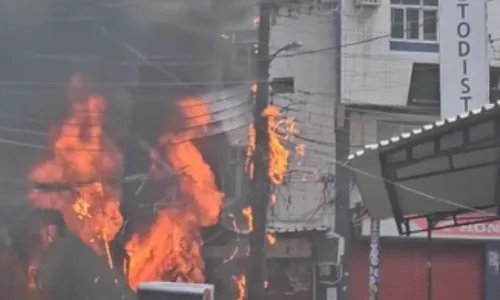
(415, 191)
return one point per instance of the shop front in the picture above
(434, 194)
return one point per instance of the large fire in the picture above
(80, 177)
(171, 250)
(279, 129)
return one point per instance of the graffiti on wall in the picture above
(374, 259)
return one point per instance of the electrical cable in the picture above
(147, 60)
(402, 186)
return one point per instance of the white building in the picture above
(390, 52)
(306, 197)
(390, 66)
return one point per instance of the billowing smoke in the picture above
(117, 46)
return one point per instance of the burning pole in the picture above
(260, 180)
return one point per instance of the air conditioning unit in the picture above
(367, 3)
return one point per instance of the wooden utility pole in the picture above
(343, 220)
(260, 182)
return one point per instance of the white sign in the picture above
(463, 56)
(479, 231)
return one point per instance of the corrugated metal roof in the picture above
(298, 228)
(428, 129)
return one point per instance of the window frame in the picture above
(421, 8)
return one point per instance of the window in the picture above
(414, 20)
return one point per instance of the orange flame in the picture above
(278, 154)
(273, 199)
(300, 149)
(253, 88)
(47, 235)
(247, 212)
(271, 238)
(82, 169)
(171, 249)
(241, 285)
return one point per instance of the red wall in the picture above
(457, 271)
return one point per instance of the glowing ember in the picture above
(247, 212)
(32, 275)
(171, 249)
(271, 239)
(253, 88)
(81, 170)
(278, 154)
(255, 21)
(46, 235)
(241, 286)
(273, 199)
(300, 149)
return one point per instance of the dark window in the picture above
(427, 75)
(424, 85)
(430, 25)
(412, 24)
(495, 83)
(397, 23)
(431, 2)
(410, 2)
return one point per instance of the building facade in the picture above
(308, 99)
(302, 212)
(464, 258)
(306, 196)
(391, 51)
(391, 85)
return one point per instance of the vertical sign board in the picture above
(463, 56)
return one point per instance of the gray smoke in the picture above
(107, 41)
(71, 270)
(44, 43)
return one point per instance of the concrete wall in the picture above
(372, 73)
(299, 202)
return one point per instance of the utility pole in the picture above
(260, 182)
(342, 147)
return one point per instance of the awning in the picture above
(441, 169)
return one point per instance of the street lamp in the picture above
(283, 85)
(293, 46)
